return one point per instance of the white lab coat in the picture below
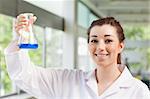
(68, 84)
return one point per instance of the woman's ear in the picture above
(121, 45)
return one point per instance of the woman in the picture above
(109, 80)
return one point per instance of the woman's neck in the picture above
(107, 74)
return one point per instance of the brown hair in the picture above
(113, 22)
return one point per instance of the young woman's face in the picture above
(104, 45)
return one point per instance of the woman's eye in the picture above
(108, 41)
(94, 41)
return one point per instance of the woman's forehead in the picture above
(104, 30)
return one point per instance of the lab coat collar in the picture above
(123, 82)
(126, 79)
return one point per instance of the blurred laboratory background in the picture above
(61, 30)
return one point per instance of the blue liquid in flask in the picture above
(30, 46)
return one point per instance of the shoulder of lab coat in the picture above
(141, 89)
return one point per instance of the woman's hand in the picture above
(23, 22)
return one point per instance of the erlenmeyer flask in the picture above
(27, 39)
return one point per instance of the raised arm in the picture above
(34, 80)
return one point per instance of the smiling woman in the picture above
(105, 44)
(110, 78)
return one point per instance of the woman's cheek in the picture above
(112, 49)
(92, 48)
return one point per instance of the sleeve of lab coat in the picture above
(32, 79)
(142, 91)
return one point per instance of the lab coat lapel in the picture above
(123, 82)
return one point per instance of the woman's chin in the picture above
(102, 64)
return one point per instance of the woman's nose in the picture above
(101, 46)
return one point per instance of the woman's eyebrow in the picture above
(93, 35)
(108, 35)
(104, 35)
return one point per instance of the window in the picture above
(83, 15)
(54, 45)
(6, 85)
(92, 17)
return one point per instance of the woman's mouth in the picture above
(101, 56)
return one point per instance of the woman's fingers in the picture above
(23, 21)
(20, 25)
